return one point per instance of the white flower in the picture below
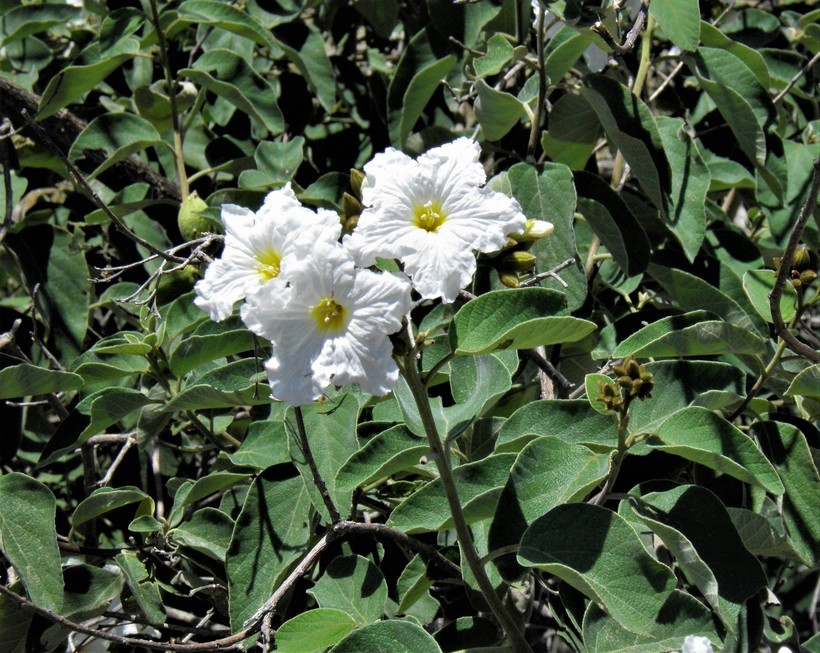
(431, 213)
(255, 244)
(330, 324)
(696, 644)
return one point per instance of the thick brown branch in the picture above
(631, 37)
(63, 129)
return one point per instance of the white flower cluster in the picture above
(327, 316)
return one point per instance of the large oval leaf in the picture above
(522, 318)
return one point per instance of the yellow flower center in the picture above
(267, 264)
(429, 216)
(329, 315)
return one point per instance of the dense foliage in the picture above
(606, 443)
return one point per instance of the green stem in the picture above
(617, 458)
(542, 86)
(170, 85)
(465, 538)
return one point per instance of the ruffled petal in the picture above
(441, 269)
(222, 286)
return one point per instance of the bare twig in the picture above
(784, 271)
(542, 85)
(318, 481)
(79, 179)
(380, 530)
(779, 97)
(550, 273)
(632, 35)
(564, 385)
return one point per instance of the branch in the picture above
(318, 481)
(64, 127)
(380, 530)
(631, 37)
(564, 385)
(784, 270)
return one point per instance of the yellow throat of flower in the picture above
(429, 216)
(329, 315)
(267, 264)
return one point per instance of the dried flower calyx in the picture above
(634, 379)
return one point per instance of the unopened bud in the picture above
(356, 179)
(801, 259)
(807, 277)
(533, 230)
(351, 206)
(518, 261)
(191, 219)
(509, 279)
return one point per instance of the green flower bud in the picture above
(518, 261)
(191, 219)
(509, 279)
(356, 179)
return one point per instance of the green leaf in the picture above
(207, 531)
(264, 445)
(413, 588)
(119, 24)
(418, 75)
(572, 421)
(89, 590)
(28, 538)
(714, 38)
(479, 485)
(574, 131)
(331, 433)
(118, 134)
(611, 568)
(806, 383)
(696, 528)
(497, 112)
(271, 532)
(548, 472)
(230, 77)
(706, 438)
(144, 590)
(787, 449)
(692, 293)
(522, 318)
(124, 342)
(106, 499)
(689, 334)
(15, 621)
(313, 630)
(757, 284)
(209, 341)
(499, 53)
(96, 369)
(739, 97)
(68, 285)
(25, 20)
(680, 616)
(393, 450)
(563, 50)
(26, 380)
(613, 222)
(227, 17)
(690, 183)
(234, 384)
(592, 390)
(276, 163)
(108, 406)
(682, 383)
(73, 82)
(394, 636)
(355, 586)
(629, 124)
(548, 194)
(680, 21)
(759, 535)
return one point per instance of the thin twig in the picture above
(784, 271)
(564, 385)
(779, 97)
(318, 481)
(542, 85)
(632, 35)
(380, 530)
(79, 178)
(550, 273)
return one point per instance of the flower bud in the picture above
(191, 219)
(351, 206)
(807, 276)
(356, 179)
(509, 279)
(518, 261)
(533, 230)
